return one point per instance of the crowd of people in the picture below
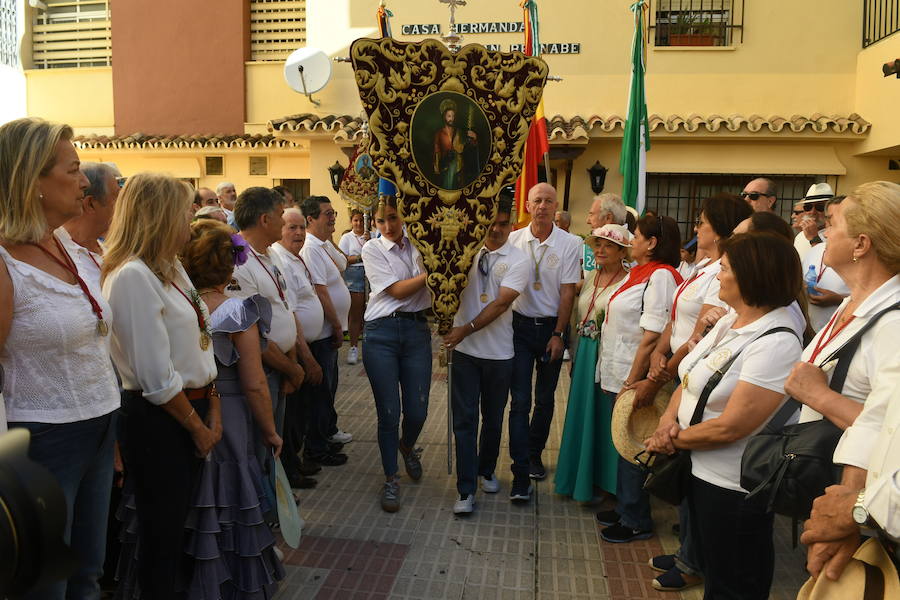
(189, 338)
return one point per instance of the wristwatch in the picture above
(557, 334)
(860, 514)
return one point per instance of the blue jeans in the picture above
(530, 338)
(80, 456)
(686, 558)
(397, 358)
(485, 382)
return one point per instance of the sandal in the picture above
(674, 580)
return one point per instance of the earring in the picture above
(854, 259)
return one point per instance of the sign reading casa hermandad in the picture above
(449, 130)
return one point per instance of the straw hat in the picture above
(617, 234)
(852, 583)
(631, 427)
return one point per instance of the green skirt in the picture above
(587, 457)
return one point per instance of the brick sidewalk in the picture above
(548, 549)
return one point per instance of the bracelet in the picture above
(472, 325)
(189, 415)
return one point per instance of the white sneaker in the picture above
(352, 356)
(341, 437)
(465, 505)
(490, 484)
(566, 355)
(278, 553)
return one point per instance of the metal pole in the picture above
(449, 410)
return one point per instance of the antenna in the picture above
(307, 70)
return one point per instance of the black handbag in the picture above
(789, 467)
(668, 475)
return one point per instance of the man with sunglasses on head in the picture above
(482, 345)
(760, 194)
(812, 221)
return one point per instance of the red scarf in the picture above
(641, 274)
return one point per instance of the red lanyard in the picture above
(69, 265)
(272, 277)
(308, 273)
(680, 290)
(822, 268)
(825, 340)
(201, 320)
(590, 309)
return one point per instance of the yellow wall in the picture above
(877, 97)
(83, 98)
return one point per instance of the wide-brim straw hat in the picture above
(631, 427)
(854, 580)
(617, 234)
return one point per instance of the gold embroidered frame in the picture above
(447, 224)
(359, 186)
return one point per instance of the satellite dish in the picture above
(307, 70)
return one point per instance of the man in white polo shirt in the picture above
(540, 314)
(332, 291)
(308, 313)
(258, 213)
(482, 344)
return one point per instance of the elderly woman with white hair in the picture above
(54, 343)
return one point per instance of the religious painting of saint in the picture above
(451, 139)
(364, 167)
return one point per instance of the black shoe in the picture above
(330, 460)
(299, 482)
(521, 490)
(662, 563)
(334, 447)
(309, 467)
(536, 468)
(607, 517)
(619, 534)
(412, 461)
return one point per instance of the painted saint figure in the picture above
(455, 151)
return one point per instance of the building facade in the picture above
(736, 88)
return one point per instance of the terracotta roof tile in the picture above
(344, 127)
(141, 141)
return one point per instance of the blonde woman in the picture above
(162, 348)
(54, 346)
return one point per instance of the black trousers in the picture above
(159, 456)
(733, 541)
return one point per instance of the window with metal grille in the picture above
(680, 195)
(277, 28)
(71, 33)
(697, 22)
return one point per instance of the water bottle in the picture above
(811, 281)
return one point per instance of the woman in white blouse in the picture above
(636, 314)
(59, 383)
(864, 250)
(397, 351)
(759, 279)
(351, 244)
(162, 348)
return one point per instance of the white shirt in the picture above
(263, 274)
(351, 245)
(701, 287)
(882, 499)
(765, 362)
(625, 325)
(873, 376)
(324, 271)
(509, 268)
(802, 245)
(560, 263)
(339, 259)
(155, 335)
(686, 269)
(386, 264)
(302, 297)
(57, 367)
(88, 262)
(828, 280)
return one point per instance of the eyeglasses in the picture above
(754, 196)
(121, 181)
(818, 205)
(329, 213)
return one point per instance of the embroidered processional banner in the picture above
(449, 130)
(359, 185)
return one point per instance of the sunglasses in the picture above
(798, 212)
(818, 205)
(754, 196)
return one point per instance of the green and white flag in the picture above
(636, 141)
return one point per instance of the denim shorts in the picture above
(355, 277)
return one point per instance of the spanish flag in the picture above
(538, 146)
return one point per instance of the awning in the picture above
(749, 158)
(181, 167)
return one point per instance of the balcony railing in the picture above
(881, 18)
